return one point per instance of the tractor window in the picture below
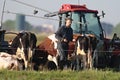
(78, 22)
(63, 19)
(85, 22)
(92, 23)
(75, 24)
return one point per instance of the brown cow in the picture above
(47, 50)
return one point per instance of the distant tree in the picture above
(108, 28)
(28, 26)
(9, 25)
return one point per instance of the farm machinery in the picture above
(3, 43)
(6, 43)
(88, 21)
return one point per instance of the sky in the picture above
(110, 7)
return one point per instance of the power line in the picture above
(2, 14)
(32, 6)
(8, 12)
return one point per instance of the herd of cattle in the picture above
(24, 54)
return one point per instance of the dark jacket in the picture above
(64, 33)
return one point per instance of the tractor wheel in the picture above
(115, 62)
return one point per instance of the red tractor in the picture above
(88, 21)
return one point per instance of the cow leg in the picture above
(78, 62)
(30, 56)
(84, 61)
(89, 61)
(26, 64)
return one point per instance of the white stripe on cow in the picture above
(54, 40)
(21, 55)
(80, 51)
(53, 58)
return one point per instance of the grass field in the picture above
(59, 75)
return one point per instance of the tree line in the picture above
(10, 25)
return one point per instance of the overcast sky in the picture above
(110, 7)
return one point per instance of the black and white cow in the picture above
(84, 48)
(23, 46)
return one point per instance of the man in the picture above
(64, 36)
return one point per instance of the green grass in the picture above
(59, 75)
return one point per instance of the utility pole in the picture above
(2, 14)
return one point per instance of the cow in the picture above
(47, 51)
(9, 62)
(84, 49)
(23, 46)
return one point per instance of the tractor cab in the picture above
(84, 19)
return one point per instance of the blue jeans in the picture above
(63, 50)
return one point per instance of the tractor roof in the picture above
(72, 8)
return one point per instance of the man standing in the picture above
(64, 36)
